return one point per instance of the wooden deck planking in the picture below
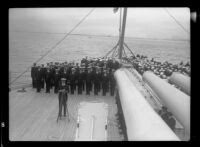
(33, 116)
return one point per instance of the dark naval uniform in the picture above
(52, 71)
(99, 77)
(33, 75)
(43, 70)
(88, 82)
(48, 80)
(38, 79)
(76, 73)
(80, 82)
(64, 74)
(96, 83)
(104, 83)
(108, 80)
(112, 84)
(56, 81)
(72, 82)
(84, 78)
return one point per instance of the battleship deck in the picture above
(32, 116)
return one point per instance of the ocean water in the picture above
(26, 48)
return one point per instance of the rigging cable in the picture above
(177, 21)
(55, 45)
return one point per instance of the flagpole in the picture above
(122, 33)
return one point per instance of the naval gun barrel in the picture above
(181, 80)
(177, 101)
(142, 122)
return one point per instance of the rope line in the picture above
(54, 45)
(177, 21)
(128, 48)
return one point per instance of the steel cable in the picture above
(54, 45)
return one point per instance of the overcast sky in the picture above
(141, 22)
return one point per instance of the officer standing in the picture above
(72, 81)
(48, 80)
(92, 77)
(88, 81)
(84, 77)
(80, 82)
(104, 83)
(96, 83)
(115, 64)
(76, 73)
(33, 75)
(108, 79)
(62, 97)
(112, 83)
(52, 71)
(56, 81)
(99, 77)
(63, 74)
(43, 75)
(38, 79)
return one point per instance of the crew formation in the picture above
(97, 73)
(91, 75)
(163, 70)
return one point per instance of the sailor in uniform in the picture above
(88, 81)
(80, 81)
(96, 82)
(83, 75)
(33, 75)
(99, 77)
(112, 83)
(104, 83)
(38, 79)
(52, 71)
(64, 74)
(76, 74)
(56, 80)
(48, 80)
(72, 81)
(108, 80)
(43, 76)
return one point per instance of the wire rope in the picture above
(53, 47)
(176, 21)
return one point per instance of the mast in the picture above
(122, 33)
(120, 22)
